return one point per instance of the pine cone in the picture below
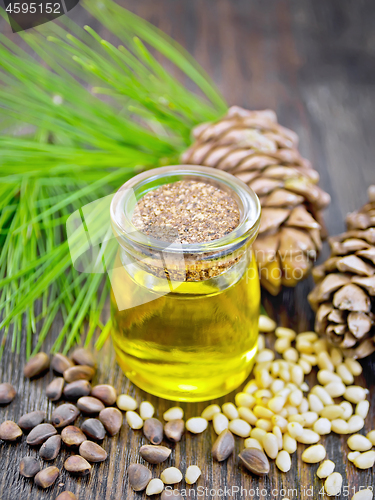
(344, 297)
(256, 149)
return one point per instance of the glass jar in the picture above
(185, 316)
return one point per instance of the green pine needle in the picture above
(78, 118)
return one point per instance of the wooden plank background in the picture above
(314, 63)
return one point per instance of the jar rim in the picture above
(125, 199)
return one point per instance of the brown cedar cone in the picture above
(344, 297)
(256, 149)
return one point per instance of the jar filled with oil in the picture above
(185, 288)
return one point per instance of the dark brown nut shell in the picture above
(7, 393)
(36, 365)
(92, 452)
(50, 448)
(223, 447)
(90, 405)
(73, 436)
(10, 431)
(106, 393)
(154, 454)
(94, 429)
(153, 430)
(77, 389)
(77, 465)
(31, 420)
(60, 363)
(46, 477)
(174, 430)
(40, 433)
(171, 495)
(139, 476)
(66, 495)
(255, 461)
(29, 466)
(64, 415)
(79, 373)
(82, 356)
(55, 388)
(112, 419)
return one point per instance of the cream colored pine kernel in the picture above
(244, 399)
(154, 487)
(291, 354)
(295, 397)
(253, 443)
(320, 345)
(134, 420)
(355, 394)
(285, 374)
(279, 436)
(353, 455)
(365, 494)
(348, 410)
(192, 474)
(309, 336)
(310, 418)
(355, 423)
(281, 345)
(308, 437)
(304, 346)
(362, 408)
(285, 333)
(275, 370)
(251, 387)
(340, 426)
(265, 379)
(171, 475)
(283, 461)
(261, 342)
(322, 394)
(264, 424)
(354, 366)
(324, 362)
(297, 418)
(277, 385)
(281, 422)
(284, 392)
(304, 406)
(333, 484)
(263, 394)
(335, 389)
(262, 412)
(306, 367)
(325, 469)
(289, 443)
(326, 376)
(196, 425)
(126, 402)
(294, 429)
(365, 460)
(257, 433)
(315, 403)
(357, 442)
(336, 356)
(283, 413)
(220, 423)
(310, 358)
(292, 410)
(266, 324)
(247, 415)
(239, 427)
(314, 454)
(146, 410)
(322, 426)
(209, 412)
(230, 411)
(270, 446)
(258, 367)
(371, 436)
(174, 413)
(298, 375)
(264, 356)
(345, 374)
(305, 387)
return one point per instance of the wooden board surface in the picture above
(313, 62)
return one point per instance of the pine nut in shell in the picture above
(36, 365)
(139, 477)
(223, 446)
(154, 487)
(220, 423)
(174, 430)
(77, 466)
(357, 442)
(46, 477)
(192, 474)
(325, 469)
(31, 420)
(73, 436)
(126, 402)
(92, 452)
(255, 461)
(171, 475)
(7, 393)
(314, 454)
(283, 461)
(106, 393)
(153, 430)
(174, 413)
(79, 372)
(29, 467)
(55, 388)
(196, 425)
(60, 363)
(333, 484)
(146, 410)
(77, 389)
(239, 427)
(94, 429)
(83, 356)
(134, 420)
(365, 460)
(90, 405)
(154, 454)
(39, 434)
(112, 419)
(64, 415)
(50, 448)
(66, 495)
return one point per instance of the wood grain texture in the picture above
(313, 62)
